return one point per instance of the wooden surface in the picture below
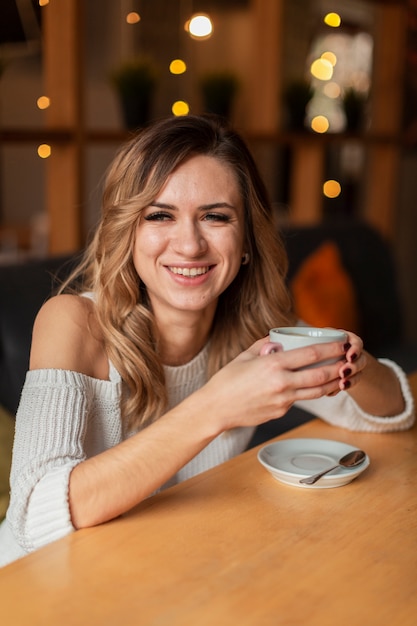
(234, 546)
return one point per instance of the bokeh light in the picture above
(329, 56)
(332, 90)
(177, 66)
(332, 19)
(43, 102)
(180, 107)
(132, 17)
(44, 150)
(199, 26)
(332, 189)
(322, 69)
(320, 124)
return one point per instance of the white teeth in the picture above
(189, 271)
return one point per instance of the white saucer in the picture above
(290, 460)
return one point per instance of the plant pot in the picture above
(135, 111)
(218, 90)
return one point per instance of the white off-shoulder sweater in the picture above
(65, 417)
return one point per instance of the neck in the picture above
(181, 342)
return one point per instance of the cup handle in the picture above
(270, 348)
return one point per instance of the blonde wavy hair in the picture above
(255, 301)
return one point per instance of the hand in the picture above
(263, 382)
(356, 361)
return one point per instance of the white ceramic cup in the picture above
(292, 337)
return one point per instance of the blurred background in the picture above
(324, 91)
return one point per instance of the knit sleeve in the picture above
(50, 429)
(342, 410)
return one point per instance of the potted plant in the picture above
(354, 105)
(218, 90)
(297, 94)
(135, 82)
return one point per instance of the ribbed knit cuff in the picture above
(49, 516)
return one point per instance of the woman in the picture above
(158, 366)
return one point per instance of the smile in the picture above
(189, 271)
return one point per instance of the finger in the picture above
(354, 347)
(311, 356)
(333, 393)
(350, 368)
(350, 382)
(271, 348)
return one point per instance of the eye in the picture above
(158, 216)
(217, 217)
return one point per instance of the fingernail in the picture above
(347, 372)
(346, 384)
(346, 346)
(353, 357)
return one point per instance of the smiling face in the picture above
(189, 241)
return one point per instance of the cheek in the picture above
(147, 245)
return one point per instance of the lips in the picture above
(189, 271)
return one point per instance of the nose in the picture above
(190, 240)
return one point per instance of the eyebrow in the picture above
(203, 207)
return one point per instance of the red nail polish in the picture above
(346, 346)
(353, 357)
(346, 384)
(347, 372)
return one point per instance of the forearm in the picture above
(378, 391)
(111, 483)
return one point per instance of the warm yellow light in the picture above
(332, 19)
(43, 102)
(320, 124)
(330, 56)
(44, 150)
(180, 108)
(322, 69)
(132, 17)
(177, 66)
(332, 90)
(43, 3)
(199, 26)
(332, 189)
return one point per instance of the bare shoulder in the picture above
(66, 335)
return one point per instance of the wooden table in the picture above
(235, 547)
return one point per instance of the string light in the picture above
(322, 69)
(329, 56)
(332, 19)
(180, 107)
(320, 124)
(132, 17)
(44, 150)
(199, 26)
(177, 66)
(332, 189)
(43, 102)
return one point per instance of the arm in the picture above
(373, 385)
(104, 486)
(376, 395)
(252, 389)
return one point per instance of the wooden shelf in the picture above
(65, 126)
(29, 135)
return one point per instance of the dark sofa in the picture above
(366, 257)
(24, 287)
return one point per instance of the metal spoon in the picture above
(351, 459)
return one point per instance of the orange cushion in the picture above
(323, 292)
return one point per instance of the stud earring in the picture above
(245, 258)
